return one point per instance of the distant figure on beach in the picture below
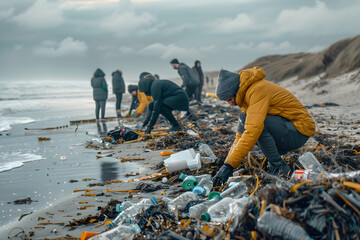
(118, 85)
(139, 101)
(197, 69)
(270, 116)
(167, 97)
(190, 80)
(100, 92)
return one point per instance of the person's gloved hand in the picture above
(138, 115)
(222, 175)
(148, 130)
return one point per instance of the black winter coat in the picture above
(164, 92)
(188, 76)
(118, 83)
(98, 83)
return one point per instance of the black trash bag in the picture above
(124, 132)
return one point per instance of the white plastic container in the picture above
(183, 160)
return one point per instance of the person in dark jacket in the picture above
(197, 69)
(118, 89)
(190, 80)
(133, 89)
(167, 97)
(100, 92)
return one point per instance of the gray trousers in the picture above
(278, 137)
(100, 104)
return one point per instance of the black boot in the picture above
(279, 168)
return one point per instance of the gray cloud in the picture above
(66, 47)
(4, 14)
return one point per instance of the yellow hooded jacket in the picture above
(258, 98)
(144, 101)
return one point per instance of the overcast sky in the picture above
(69, 39)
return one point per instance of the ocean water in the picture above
(32, 168)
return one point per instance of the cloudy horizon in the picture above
(69, 39)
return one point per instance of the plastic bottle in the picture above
(189, 181)
(235, 190)
(302, 174)
(221, 211)
(97, 140)
(107, 145)
(197, 210)
(204, 148)
(274, 225)
(181, 201)
(309, 161)
(133, 210)
(204, 186)
(123, 206)
(119, 232)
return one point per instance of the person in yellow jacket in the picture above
(270, 116)
(139, 101)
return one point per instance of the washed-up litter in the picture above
(27, 200)
(43, 139)
(319, 201)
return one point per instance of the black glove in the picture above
(148, 130)
(222, 175)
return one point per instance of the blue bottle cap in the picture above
(153, 200)
(205, 217)
(182, 176)
(118, 208)
(199, 190)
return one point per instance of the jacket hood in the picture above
(196, 62)
(132, 88)
(117, 72)
(247, 78)
(99, 73)
(146, 80)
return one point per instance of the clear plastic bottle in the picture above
(223, 210)
(204, 148)
(309, 162)
(204, 187)
(118, 233)
(123, 206)
(181, 201)
(107, 145)
(197, 210)
(236, 191)
(132, 211)
(274, 225)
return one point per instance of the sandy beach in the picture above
(100, 173)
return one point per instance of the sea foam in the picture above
(17, 159)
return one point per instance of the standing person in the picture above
(189, 77)
(167, 97)
(118, 89)
(197, 69)
(100, 92)
(270, 116)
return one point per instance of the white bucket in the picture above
(179, 161)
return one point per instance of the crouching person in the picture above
(167, 97)
(270, 116)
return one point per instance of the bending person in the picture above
(270, 116)
(167, 97)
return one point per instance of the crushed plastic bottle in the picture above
(204, 186)
(309, 162)
(119, 232)
(107, 145)
(204, 148)
(197, 210)
(181, 201)
(225, 209)
(132, 211)
(274, 225)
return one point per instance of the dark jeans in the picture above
(118, 101)
(100, 104)
(193, 90)
(278, 137)
(165, 110)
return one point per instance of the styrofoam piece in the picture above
(178, 161)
